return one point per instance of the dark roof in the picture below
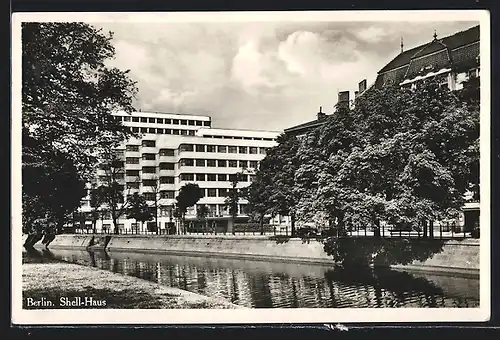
(306, 125)
(453, 41)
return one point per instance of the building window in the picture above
(243, 149)
(211, 177)
(132, 160)
(187, 162)
(199, 123)
(175, 131)
(210, 148)
(160, 131)
(151, 120)
(200, 148)
(254, 164)
(190, 122)
(150, 196)
(166, 166)
(200, 162)
(263, 150)
(253, 150)
(119, 153)
(211, 163)
(175, 121)
(168, 131)
(169, 194)
(222, 149)
(148, 156)
(148, 169)
(186, 148)
(232, 149)
(187, 177)
(126, 119)
(135, 119)
(184, 132)
(222, 177)
(206, 123)
(244, 209)
(247, 138)
(166, 152)
(144, 130)
(167, 180)
(243, 178)
(212, 192)
(232, 177)
(133, 173)
(200, 177)
(149, 182)
(221, 163)
(159, 120)
(243, 164)
(191, 132)
(149, 143)
(144, 120)
(135, 129)
(233, 164)
(168, 121)
(223, 192)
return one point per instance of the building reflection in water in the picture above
(262, 284)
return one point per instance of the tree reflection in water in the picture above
(261, 284)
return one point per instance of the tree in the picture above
(280, 165)
(68, 95)
(112, 187)
(202, 213)
(139, 209)
(51, 194)
(96, 201)
(257, 195)
(153, 186)
(188, 196)
(233, 198)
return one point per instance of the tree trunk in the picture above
(431, 229)
(376, 231)
(156, 218)
(115, 224)
(94, 226)
(261, 222)
(292, 222)
(424, 223)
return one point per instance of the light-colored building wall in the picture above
(202, 155)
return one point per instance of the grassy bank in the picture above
(50, 282)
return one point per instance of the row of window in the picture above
(253, 150)
(162, 131)
(211, 163)
(164, 121)
(238, 137)
(167, 211)
(170, 194)
(191, 177)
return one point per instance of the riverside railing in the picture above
(439, 232)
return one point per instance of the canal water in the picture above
(259, 284)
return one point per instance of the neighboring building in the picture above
(453, 60)
(178, 149)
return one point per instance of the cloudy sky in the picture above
(259, 75)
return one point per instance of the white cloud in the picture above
(251, 75)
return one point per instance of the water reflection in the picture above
(285, 285)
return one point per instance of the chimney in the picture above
(321, 114)
(402, 45)
(356, 94)
(343, 100)
(362, 86)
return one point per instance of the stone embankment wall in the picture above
(455, 256)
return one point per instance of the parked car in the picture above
(306, 232)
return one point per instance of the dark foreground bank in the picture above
(52, 284)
